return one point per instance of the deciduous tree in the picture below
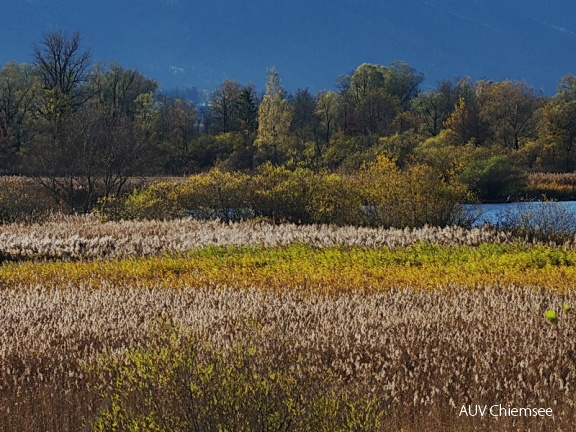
(224, 107)
(465, 123)
(509, 108)
(403, 82)
(558, 126)
(64, 69)
(327, 109)
(118, 89)
(434, 107)
(274, 119)
(19, 85)
(304, 126)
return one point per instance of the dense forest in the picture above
(82, 130)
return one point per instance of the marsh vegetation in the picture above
(188, 325)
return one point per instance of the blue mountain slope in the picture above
(311, 42)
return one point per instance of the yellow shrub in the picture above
(335, 201)
(283, 195)
(217, 194)
(158, 201)
(416, 197)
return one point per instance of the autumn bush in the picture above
(335, 201)
(380, 194)
(157, 201)
(411, 198)
(282, 195)
(14, 206)
(217, 194)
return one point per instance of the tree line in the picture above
(82, 130)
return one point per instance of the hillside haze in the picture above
(200, 43)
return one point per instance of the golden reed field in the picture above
(202, 326)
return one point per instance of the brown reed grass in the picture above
(85, 237)
(422, 353)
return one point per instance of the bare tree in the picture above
(63, 65)
(65, 141)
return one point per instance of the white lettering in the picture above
(526, 412)
(477, 409)
(502, 411)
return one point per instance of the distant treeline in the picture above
(82, 129)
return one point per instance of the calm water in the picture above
(493, 213)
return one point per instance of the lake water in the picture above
(493, 213)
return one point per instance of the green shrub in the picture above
(448, 159)
(493, 178)
(180, 382)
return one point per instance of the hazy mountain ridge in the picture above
(190, 43)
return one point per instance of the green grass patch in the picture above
(420, 265)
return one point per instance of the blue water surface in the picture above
(494, 213)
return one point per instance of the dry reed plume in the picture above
(85, 237)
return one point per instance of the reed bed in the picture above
(558, 178)
(411, 323)
(85, 237)
(414, 332)
(421, 354)
(561, 186)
